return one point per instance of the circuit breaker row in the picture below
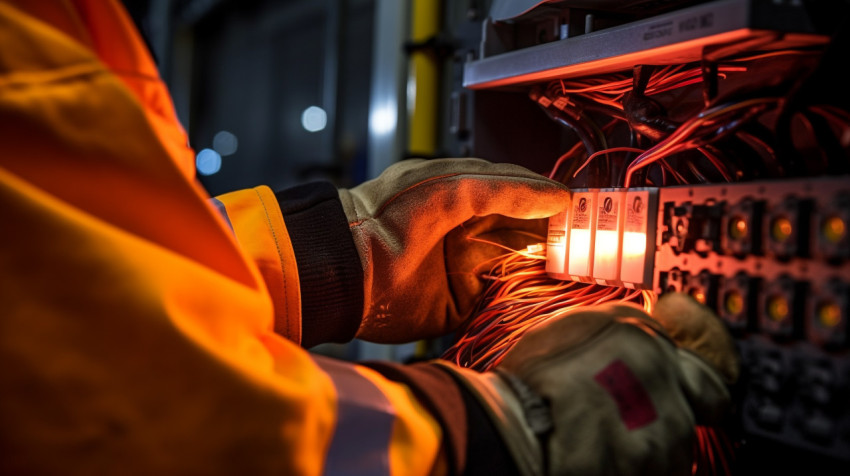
(771, 259)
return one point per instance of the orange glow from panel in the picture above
(634, 245)
(829, 315)
(833, 229)
(698, 295)
(609, 228)
(605, 260)
(781, 229)
(778, 308)
(556, 244)
(581, 235)
(738, 228)
(638, 241)
(579, 264)
(734, 302)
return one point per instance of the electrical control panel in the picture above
(707, 148)
(771, 260)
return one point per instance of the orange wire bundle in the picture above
(520, 296)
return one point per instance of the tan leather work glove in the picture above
(411, 225)
(605, 391)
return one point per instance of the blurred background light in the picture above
(225, 143)
(383, 120)
(208, 162)
(314, 119)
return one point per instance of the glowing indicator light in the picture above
(579, 251)
(634, 245)
(582, 235)
(607, 250)
(314, 119)
(778, 308)
(681, 227)
(829, 314)
(698, 295)
(833, 229)
(738, 228)
(781, 229)
(733, 302)
(535, 249)
(383, 120)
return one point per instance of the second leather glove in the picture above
(604, 390)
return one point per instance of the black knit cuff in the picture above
(471, 441)
(329, 267)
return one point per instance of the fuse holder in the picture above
(556, 245)
(582, 235)
(609, 236)
(638, 244)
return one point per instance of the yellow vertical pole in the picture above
(423, 79)
(422, 94)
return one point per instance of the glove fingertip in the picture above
(536, 200)
(696, 327)
(707, 393)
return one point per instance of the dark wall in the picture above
(251, 68)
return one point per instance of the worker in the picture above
(148, 328)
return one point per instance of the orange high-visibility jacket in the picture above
(147, 328)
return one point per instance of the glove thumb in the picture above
(707, 355)
(695, 327)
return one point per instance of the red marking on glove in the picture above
(636, 409)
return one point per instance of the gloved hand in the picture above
(411, 225)
(606, 391)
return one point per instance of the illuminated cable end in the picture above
(536, 249)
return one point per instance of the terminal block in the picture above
(608, 249)
(693, 228)
(582, 236)
(605, 236)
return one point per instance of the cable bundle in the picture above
(521, 295)
(726, 119)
